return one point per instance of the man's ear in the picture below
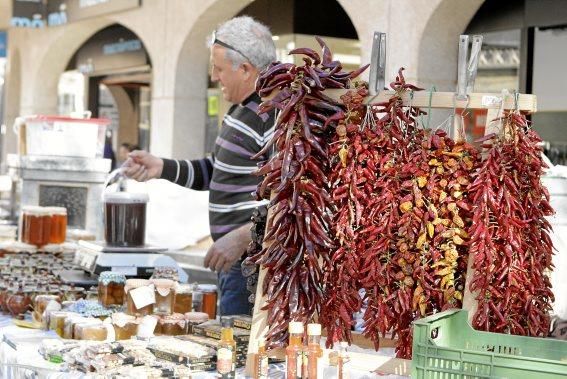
(248, 69)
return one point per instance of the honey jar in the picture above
(58, 227)
(140, 297)
(111, 288)
(36, 225)
(91, 332)
(210, 297)
(195, 318)
(183, 298)
(125, 326)
(164, 294)
(172, 325)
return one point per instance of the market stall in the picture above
(390, 247)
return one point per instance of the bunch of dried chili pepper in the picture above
(510, 240)
(350, 174)
(295, 180)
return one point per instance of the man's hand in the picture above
(142, 166)
(228, 249)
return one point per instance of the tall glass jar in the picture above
(210, 298)
(111, 288)
(36, 225)
(165, 293)
(58, 230)
(140, 297)
(183, 298)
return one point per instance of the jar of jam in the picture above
(58, 229)
(69, 325)
(195, 318)
(183, 298)
(125, 326)
(164, 294)
(173, 325)
(209, 299)
(90, 322)
(111, 288)
(140, 297)
(43, 303)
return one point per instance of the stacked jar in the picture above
(183, 298)
(164, 295)
(43, 225)
(140, 297)
(111, 288)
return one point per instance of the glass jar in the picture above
(164, 293)
(88, 323)
(125, 326)
(210, 298)
(19, 302)
(140, 297)
(58, 229)
(173, 325)
(3, 295)
(111, 288)
(57, 321)
(91, 332)
(195, 318)
(72, 293)
(42, 302)
(92, 294)
(69, 325)
(9, 292)
(125, 218)
(183, 298)
(36, 225)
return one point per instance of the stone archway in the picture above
(189, 108)
(438, 46)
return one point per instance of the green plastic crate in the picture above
(445, 346)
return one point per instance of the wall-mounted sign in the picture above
(3, 44)
(40, 13)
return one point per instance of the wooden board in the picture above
(446, 100)
(421, 99)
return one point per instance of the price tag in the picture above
(126, 270)
(143, 296)
(491, 101)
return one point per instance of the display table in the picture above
(19, 358)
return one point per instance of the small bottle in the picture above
(261, 361)
(294, 351)
(342, 360)
(226, 353)
(314, 351)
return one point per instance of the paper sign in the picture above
(143, 296)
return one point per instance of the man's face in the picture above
(233, 82)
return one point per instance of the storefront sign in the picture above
(40, 13)
(110, 49)
(28, 13)
(3, 46)
(63, 11)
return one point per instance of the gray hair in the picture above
(249, 37)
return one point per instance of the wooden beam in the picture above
(446, 100)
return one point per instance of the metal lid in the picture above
(35, 210)
(125, 198)
(57, 210)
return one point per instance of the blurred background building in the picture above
(144, 63)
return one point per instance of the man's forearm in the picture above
(195, 174)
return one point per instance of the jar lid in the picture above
(207, 287)
(35, 210)
(122, 319)
(184, 288)
(196, 316)
(136, 283)
(19, 247)
(296, 327)
(163, 283)
(314, 329)
(125, 198)
(52, 248)
(107, 277)
(57, 210)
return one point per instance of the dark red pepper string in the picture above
(510, 237)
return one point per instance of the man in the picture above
(240, 49)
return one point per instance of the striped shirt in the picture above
(227, 174)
